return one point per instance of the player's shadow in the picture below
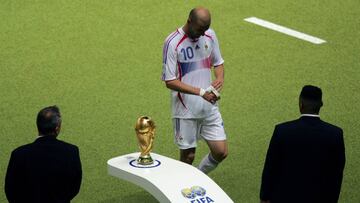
(142, 197)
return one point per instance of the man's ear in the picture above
(57, 129)
(301, 105)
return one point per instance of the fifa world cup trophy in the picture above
(145, 133)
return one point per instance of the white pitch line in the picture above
(285, 30)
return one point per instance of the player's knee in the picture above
(190, 157)
(187, 157)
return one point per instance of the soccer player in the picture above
(188, 55)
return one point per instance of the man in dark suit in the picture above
(306, 157)
(47, 170)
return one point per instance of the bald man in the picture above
(189, 54)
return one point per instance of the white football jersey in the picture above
(190, 61)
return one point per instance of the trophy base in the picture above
(146, 160)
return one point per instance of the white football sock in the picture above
(207, 164)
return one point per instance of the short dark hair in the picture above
(311, 98)
(48, 119)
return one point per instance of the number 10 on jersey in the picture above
(188, 53)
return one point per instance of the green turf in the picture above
(100, 62)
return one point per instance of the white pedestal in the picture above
(167, 178)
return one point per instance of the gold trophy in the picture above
(145, 133)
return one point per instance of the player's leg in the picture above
(218, 149)
(212, 130)
(186, 131)
(187, 155)
(218, 152)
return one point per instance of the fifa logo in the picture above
(196, 194)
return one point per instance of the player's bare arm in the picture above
(219, 77)
(179, 86)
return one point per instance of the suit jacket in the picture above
(45, 171)
(304, 162)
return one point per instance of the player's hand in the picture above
(218, 84)
(210, 97)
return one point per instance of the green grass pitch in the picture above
(100, 62)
